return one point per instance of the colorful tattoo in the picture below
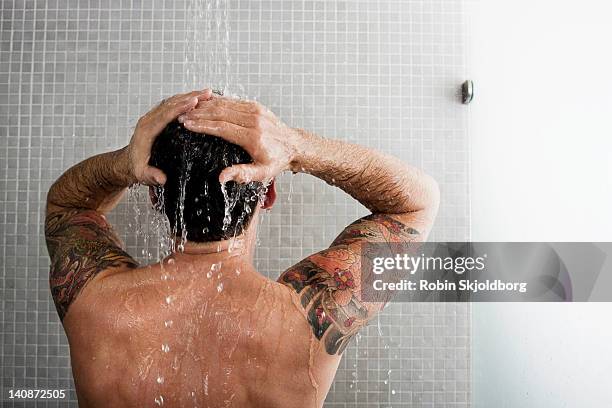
(376, 228)
(81, 244)
(328, 282)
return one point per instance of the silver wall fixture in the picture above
(467, 92)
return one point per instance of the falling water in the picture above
(227, 218)
(149, 224)
(207, 55)
(186, 165)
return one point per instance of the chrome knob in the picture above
(467, 92)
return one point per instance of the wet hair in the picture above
(192, 198)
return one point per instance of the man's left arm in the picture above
(80, 241)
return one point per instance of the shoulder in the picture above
(329, 282)
(81, 244)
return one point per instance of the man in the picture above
(203, 327)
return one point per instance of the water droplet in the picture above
(170, 261)
(168, 300)
(159, 400)
(290, 190)
(393, 392)
(165, 348)
(168, 323)
(220, 287)
(160, 380)
(237, 271)
(227, 218)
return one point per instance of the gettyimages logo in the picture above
(478, 272)
(413, 264)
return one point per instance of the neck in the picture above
(240, 246)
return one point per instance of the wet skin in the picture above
(169, 331)
(247, 345)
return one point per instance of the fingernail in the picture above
(188, 123)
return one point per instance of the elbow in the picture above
(50, 195)
(53, 201)
(431, 195)
(435, 195)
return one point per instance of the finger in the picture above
(181, 100)
(240, 105)
(157, 119)
(206, 95)
(154, 122)
(177, 99)
(218, 113)
(201, 94)
(178, 107)
(152, 176)
(227, 131)
(244, 173)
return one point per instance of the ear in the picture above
(270, 196)
(152, 196)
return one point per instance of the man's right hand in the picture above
(149, 126)
(271, 144)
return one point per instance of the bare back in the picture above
(173, 335)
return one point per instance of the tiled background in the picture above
(75, 75)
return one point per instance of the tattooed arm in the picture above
(403, 201)
(81, 243)
(329, 282)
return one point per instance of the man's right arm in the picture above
(382, 183)
(403, 201)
